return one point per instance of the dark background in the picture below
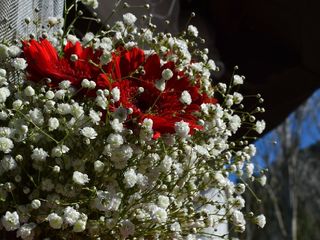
(275, 43)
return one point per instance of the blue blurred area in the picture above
(304, 123)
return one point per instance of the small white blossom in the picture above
(167, 74)
(3, 72)
(98, 166)
(65, 84)
(260, 126)
(64, 108)
(193, 31)
(260, 220)
(237, 80)
(147, 123)
(159, 214)
(115, 140)
(211, 65)
(25, 231)
(163, 201)
(60, 94)
(118, 36)
(262, 180)
(5, 132)
(130, 45)
(106, 44)
(17, 104)
(14, 51)
(53, 123)
(130, 178)
(80, 178)
(59, 151)
(80, 224)
(94, 116)
(182, 129)
(129, 19)
(6, 145)
(38, 154)
(222, 87)
(10, 221)
(72, 38)
(88, 37)
(106, 201)
(4, 93)
(115, 93)
(92, 85)
(49, 94)
(85, 83)
(238, 218)
(116, 125)
(3, 115)
(166, 163)
(70, 215)
(52, 21)
(29, 91)
(8, 163)
(56, 169)
(221, 180)
(55, 221)
(101, 101)
(88, 132)
(35, 204)
(37, 116)
(19, 64)
(186, 98)
(237, 97)
(91, 3)
(249, 169)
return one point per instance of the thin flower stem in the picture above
(36, 126)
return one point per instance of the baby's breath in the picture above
(77, 160)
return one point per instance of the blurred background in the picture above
(276, 44)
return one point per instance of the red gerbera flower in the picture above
(44, 62)
(163, 107)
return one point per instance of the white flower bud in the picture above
(35, 204)
(129, 19)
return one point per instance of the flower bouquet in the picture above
(119, 135)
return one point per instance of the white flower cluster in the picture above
(72, 167)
